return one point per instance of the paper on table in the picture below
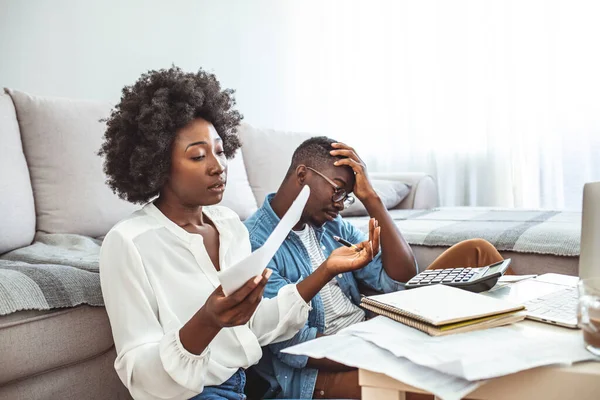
(480, 354)
(356, 352)
(237, 275)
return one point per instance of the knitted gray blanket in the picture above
(519, 230)
(57, 271)
(26, 286)
(61, 270)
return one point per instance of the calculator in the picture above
(471, 279)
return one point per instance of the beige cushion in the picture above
(61, 139)
(238, 194)
(17, 211)
(390, 192)
(267, 155)
(91, 379)
(32, 342)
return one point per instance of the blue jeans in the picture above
(231, 389)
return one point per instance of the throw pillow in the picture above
(390, 192)
(61, 139)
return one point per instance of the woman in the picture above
(177, 335)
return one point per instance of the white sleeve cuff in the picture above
(294, 293)
(185, 368)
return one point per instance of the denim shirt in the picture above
(291, 264)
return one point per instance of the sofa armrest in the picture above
(423, 192)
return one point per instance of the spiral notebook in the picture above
(442, 310)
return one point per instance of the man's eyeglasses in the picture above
(339, 194)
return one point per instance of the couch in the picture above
(55, 338)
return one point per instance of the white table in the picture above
(578, 382)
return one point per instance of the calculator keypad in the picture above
(446, 276)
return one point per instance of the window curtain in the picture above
(498, 100)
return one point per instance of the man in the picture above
(334, 171)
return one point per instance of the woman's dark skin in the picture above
(196, 179)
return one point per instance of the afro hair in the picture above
(142, 127)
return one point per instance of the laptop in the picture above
(552, 298)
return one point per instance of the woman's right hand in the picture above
(237, 308)
(222, 311)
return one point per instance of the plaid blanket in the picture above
(519, 230)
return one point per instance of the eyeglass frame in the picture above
(347, 200)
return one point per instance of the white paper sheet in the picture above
(237, 275)
(356, 352)
(479, 354)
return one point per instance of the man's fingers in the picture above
(371, 228)
(357, 166)
(369, 249)
(375, 241)
(345, 153)
(340, 145)
(366, 253)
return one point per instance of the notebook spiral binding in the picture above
(406, 318)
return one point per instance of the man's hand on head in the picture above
(363, 189)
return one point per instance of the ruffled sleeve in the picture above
(281, 317)
(187, 369)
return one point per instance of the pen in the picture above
(345, 242)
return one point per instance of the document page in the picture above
(237, 275)
(356, 352)
(480, 354)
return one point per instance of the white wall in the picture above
(497, 99)
(92, 48)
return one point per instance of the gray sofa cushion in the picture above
(17, 212)
(37, 341)
(267, 154)
(61, 138)
(238, 194)
(91, 379)
(390, 192)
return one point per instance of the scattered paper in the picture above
(237, 275)
(356, 352)
(477, 355)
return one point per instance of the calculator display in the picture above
(494, 268)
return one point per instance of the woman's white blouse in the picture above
(155, 276)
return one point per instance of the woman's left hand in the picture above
(363, 189)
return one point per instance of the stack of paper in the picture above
(448, 366)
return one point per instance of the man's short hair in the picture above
(314, 153)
